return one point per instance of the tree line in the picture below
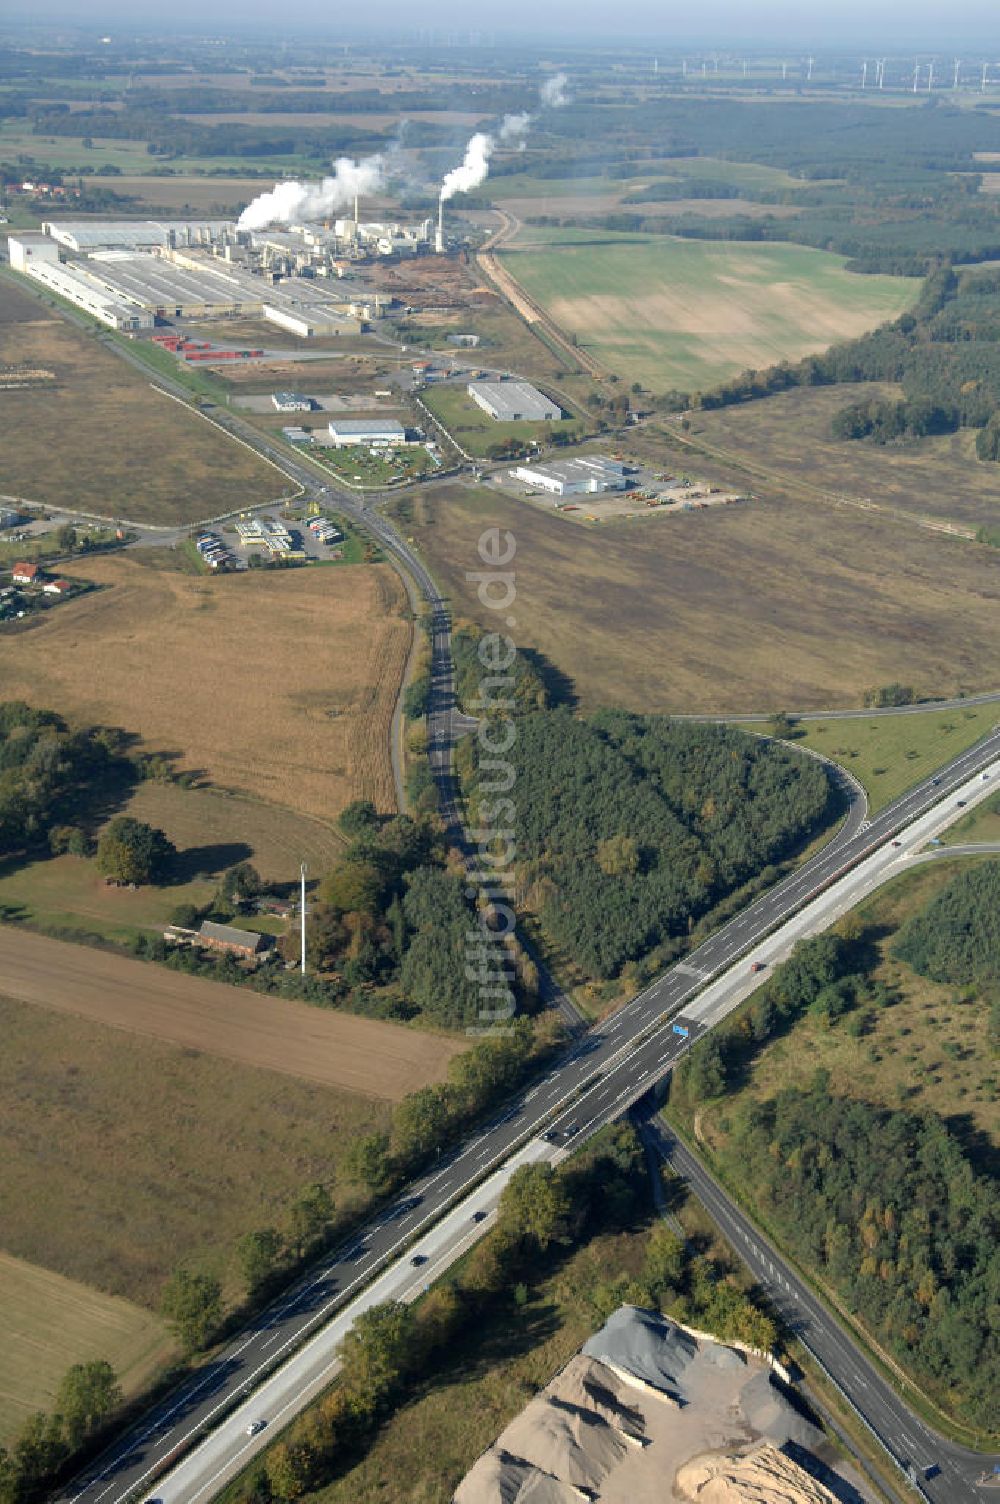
(629, 828)
(884, 1204)
(395, 1351)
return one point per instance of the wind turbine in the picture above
(864, 73)
(809, 70)
(958, 66)
(986, 69)
(916, 76)
(930, 75)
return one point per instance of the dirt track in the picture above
(357, 1054)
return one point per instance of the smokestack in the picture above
(355, 208)
(439, 237)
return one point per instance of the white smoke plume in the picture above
(292, 202)
(513, 129)
(553, 91)
(473, 168)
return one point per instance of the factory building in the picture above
(86, 292)
(292, 402)
(86, 235)
(588, 475)
(513, 401)
(378, 432)
(27, 250)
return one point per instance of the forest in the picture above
(630, 828)
(956, 937)
(885, 1204)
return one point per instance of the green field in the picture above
(685, 314)
(889, 754)
(980, 824)
(50, 1323)
(477, 432)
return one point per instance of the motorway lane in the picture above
(605, 1072)
(902, 1433)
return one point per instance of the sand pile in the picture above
(645, 1345)
(763, 1476)
(647, 1414)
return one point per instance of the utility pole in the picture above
(303, 869)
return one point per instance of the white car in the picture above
(255, 1427)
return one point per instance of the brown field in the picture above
(359, 1055)
(206, 195)
(104, 441)
(49, 1323)
(282, 685)
(122, 1156)
(770, 605)
(788, 437)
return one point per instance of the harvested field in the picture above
(359, 1055)
(774, 605)
(203, 195)
(282, 685)
(50, 1323)
(100, 439)
(789, 436)
(687, 314)
(123, 1156)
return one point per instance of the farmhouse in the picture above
(57, 587)
(377, 431)
(589, 474)
(234, 941)
(25, 574)
(513, 402)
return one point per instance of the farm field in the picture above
(890, 753)
(101, 440)
(181, 193)
(49, 1323)
(477, 432)
(789, 438)
(125, 1155)
(281, 685)
(928, 1051)
(685, 314)
(769, 606)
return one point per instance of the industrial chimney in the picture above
(439, 236)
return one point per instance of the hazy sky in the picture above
(900, 24)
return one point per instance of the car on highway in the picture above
(418, 1259)
(897, 843)
(479, 1216)
(255, 1427)
(960, 803)
(757, 966)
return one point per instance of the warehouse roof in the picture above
(513, 399)
(367, 425)
(228, 934)
(585, 468)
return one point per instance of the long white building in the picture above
(587, 474)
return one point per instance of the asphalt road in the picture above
(904, 1435)
(609, 1069)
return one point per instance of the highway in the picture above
(605, 1072)
(907, 1439)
